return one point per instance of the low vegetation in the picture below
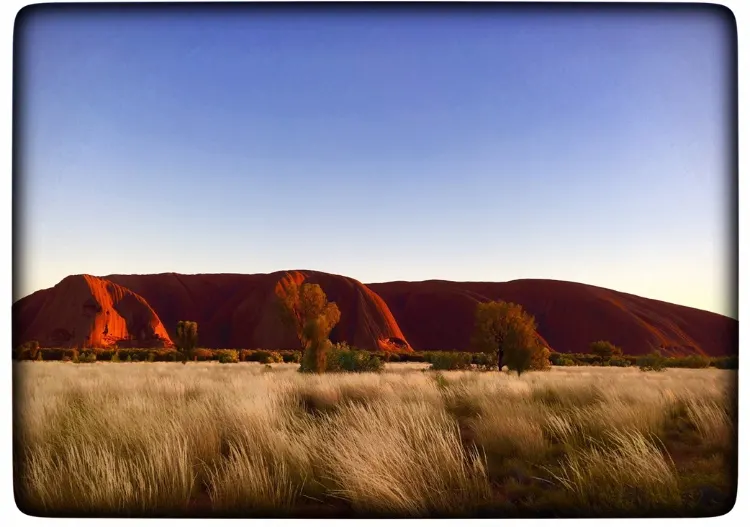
(439, 360)
(262, 440)
(651, 362)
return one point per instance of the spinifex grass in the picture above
(152, 439)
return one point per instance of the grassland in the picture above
(250, 440)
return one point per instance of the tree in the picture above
(187, 339)
(506, 330)
(604, 349)
(306, 309)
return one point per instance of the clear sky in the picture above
(380, 145)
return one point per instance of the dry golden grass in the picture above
(245, 440)
(629, 472)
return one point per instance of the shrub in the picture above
(39, 356)
(354, 361)
(151, 357)
(294, 356)
(266, 357)
(449, 360)
(228, 356)
(205, 354)
(605, 350)
(725, 363)
(128, 358)
(694, 361)
(540, 359)
(651, 362)
(28, 350)
(115, 357)
(619, 363)
(274, 357)
(88, 357)
(56, 353)
(485, 361)
(556, 358)
(411, 357)
(567, 362)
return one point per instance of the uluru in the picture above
(240, 311)
(84, 310)
(438, 314)
(232, 310)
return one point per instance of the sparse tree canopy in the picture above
(187, 338)
(505, 329)
(604, 349)
(312, 316)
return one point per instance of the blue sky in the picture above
(381, 145)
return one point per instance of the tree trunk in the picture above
(500, 341)
(320, 358)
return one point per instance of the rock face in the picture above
(86, 311)
(240, 311)
(439, 315)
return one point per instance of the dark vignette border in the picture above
(395, 9)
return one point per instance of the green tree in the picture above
(507, 331)
(307, 309)
(605, 350)
(186, 340)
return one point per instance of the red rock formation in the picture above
(83, 310)
(239, 311)
(439, 315)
